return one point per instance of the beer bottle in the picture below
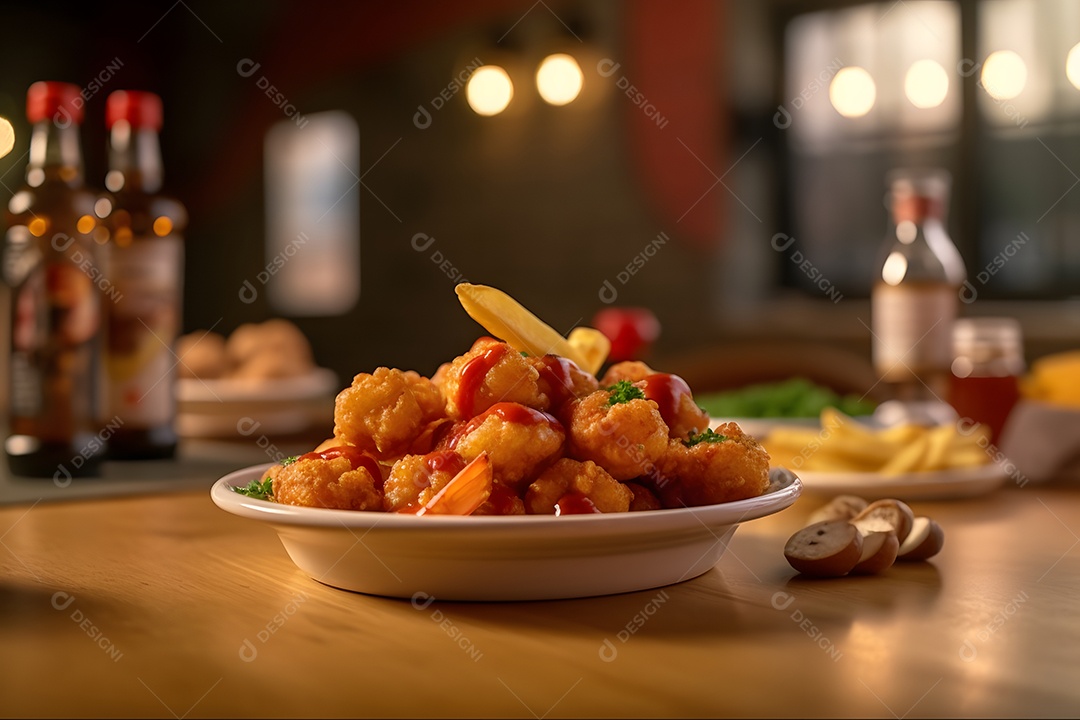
(54, 255)
(146, 262)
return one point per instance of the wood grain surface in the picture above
(165, 606)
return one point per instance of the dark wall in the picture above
(546, 203)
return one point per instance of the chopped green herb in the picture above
(259, 490)
(289, 460)
(623, 392)
(708, 435)
(524, 353)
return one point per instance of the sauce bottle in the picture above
(914, 301)
(147, 261)
(54, 262)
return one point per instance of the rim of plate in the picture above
(318, 382)
(784, 489)
(986, 471)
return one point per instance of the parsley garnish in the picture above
(705, 436)
(623, 392)
(263, 490)
(285, 462)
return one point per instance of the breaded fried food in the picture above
(502, 501)
(675, 402)
(342, 480)
(415, 479)
(713, 471)
(383, 412)
(643, 498)
(626, 437)
(632, 370)
(202, 355)
(586, 479)
(520, 441)
(561, 380)
(490, 372)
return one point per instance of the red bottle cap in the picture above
(58, 101)
(140, 109)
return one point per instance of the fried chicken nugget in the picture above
(734, 468)
(571, 477)
(415, 479)
(632, 370)
(561, 380)
(676, 404)
(644, 498)
(626, 438)
(502, 501)
(384, 411)
(339, 478)
(490, 372)
(520, 441)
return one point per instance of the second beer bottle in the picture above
(147, 261)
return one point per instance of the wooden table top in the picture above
(164, 605)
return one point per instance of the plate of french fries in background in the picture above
(907, 461)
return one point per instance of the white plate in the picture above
(934, 485)
(319, 381)
(530, 557)
(228, 408)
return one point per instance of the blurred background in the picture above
(720, 163)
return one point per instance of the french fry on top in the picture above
(508, 320)
(845, 445)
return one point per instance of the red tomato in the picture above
(631, 331)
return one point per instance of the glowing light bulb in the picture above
(1004, 74)
(926, 84)
(559, 79)
(1072, 66)
(7, 136)
(489, 90)
(852, 92)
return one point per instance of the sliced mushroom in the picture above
(878, 553)
(826, 549)
(925, 540)
(841, 507)
(886, 515)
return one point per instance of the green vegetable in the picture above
(795, 398)
(623, 392)
(259, 490)
(289, 460)
(708, 435)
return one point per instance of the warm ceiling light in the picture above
(489, 90)
(926, 84)
(1072, 66)
(852, 92)
(7, 136)
(559, 79)
(1004, 74)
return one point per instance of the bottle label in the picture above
(144, 322)
(55, 324)
(912, 329)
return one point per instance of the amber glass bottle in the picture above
(54, 263)
(917, 294)
(147, 262)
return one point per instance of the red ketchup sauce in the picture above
(574, 503)
(444, 461)
(667, 391)
(555, 373)
(473, 374)
(508, 412)
(356, 457)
